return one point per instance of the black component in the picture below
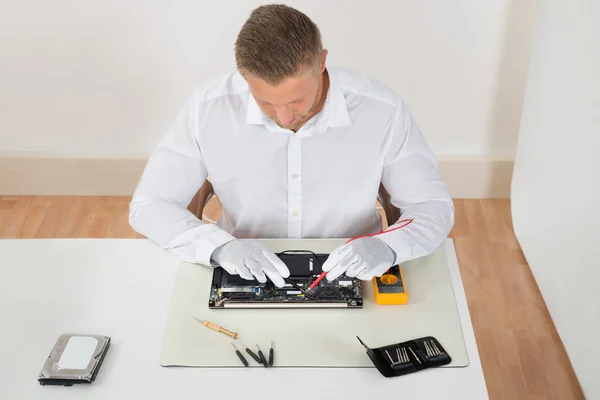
(327, 292)
(241, 295)
(232, 280)
(241, 357)
(217, 276)
(253, 355)
(271, 357)
(302, 264)
(423, 353)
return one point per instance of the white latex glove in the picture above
(251, 259)
(362, 258)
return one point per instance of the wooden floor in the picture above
(521, 353)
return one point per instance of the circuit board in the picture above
(232, 291)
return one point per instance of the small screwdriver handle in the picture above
(263, 359)
(241, 357)
(253, 355)
(225, 331)
(271, 357)
(218, 328)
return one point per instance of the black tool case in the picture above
(408, 357)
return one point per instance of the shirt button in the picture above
(294, 213)
(294, 176)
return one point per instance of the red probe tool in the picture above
(403, 222)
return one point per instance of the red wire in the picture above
(404, 222)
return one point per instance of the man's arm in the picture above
(411, 177)
(172, 177)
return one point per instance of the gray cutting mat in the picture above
(312, 337)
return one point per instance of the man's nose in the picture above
(285, 115)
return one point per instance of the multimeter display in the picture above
(389, 288)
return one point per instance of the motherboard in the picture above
(232, 291)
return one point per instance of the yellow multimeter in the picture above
(389, 288)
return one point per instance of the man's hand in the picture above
(363, 258)
(251, 260)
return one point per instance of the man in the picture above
(293, 149)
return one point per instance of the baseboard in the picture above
(466, 176)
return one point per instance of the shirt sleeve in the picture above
(411, 177)
(173, 175)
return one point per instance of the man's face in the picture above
(289, 104)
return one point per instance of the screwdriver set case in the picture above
(408, 357)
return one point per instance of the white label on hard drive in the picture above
(78, 352)
(293, 292)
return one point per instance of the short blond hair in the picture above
(277, 42)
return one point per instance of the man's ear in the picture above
(323, 62)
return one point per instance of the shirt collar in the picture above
(254, 115)
(334, 113)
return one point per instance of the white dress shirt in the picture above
(320, 182)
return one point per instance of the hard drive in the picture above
(75, 358)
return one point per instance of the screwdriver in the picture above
(271, 355)
(241, 357)
(262, 357)
(252, 354)
(217, 328)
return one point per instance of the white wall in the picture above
(556, 182)
(106, 77)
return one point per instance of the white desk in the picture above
(122, 288)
